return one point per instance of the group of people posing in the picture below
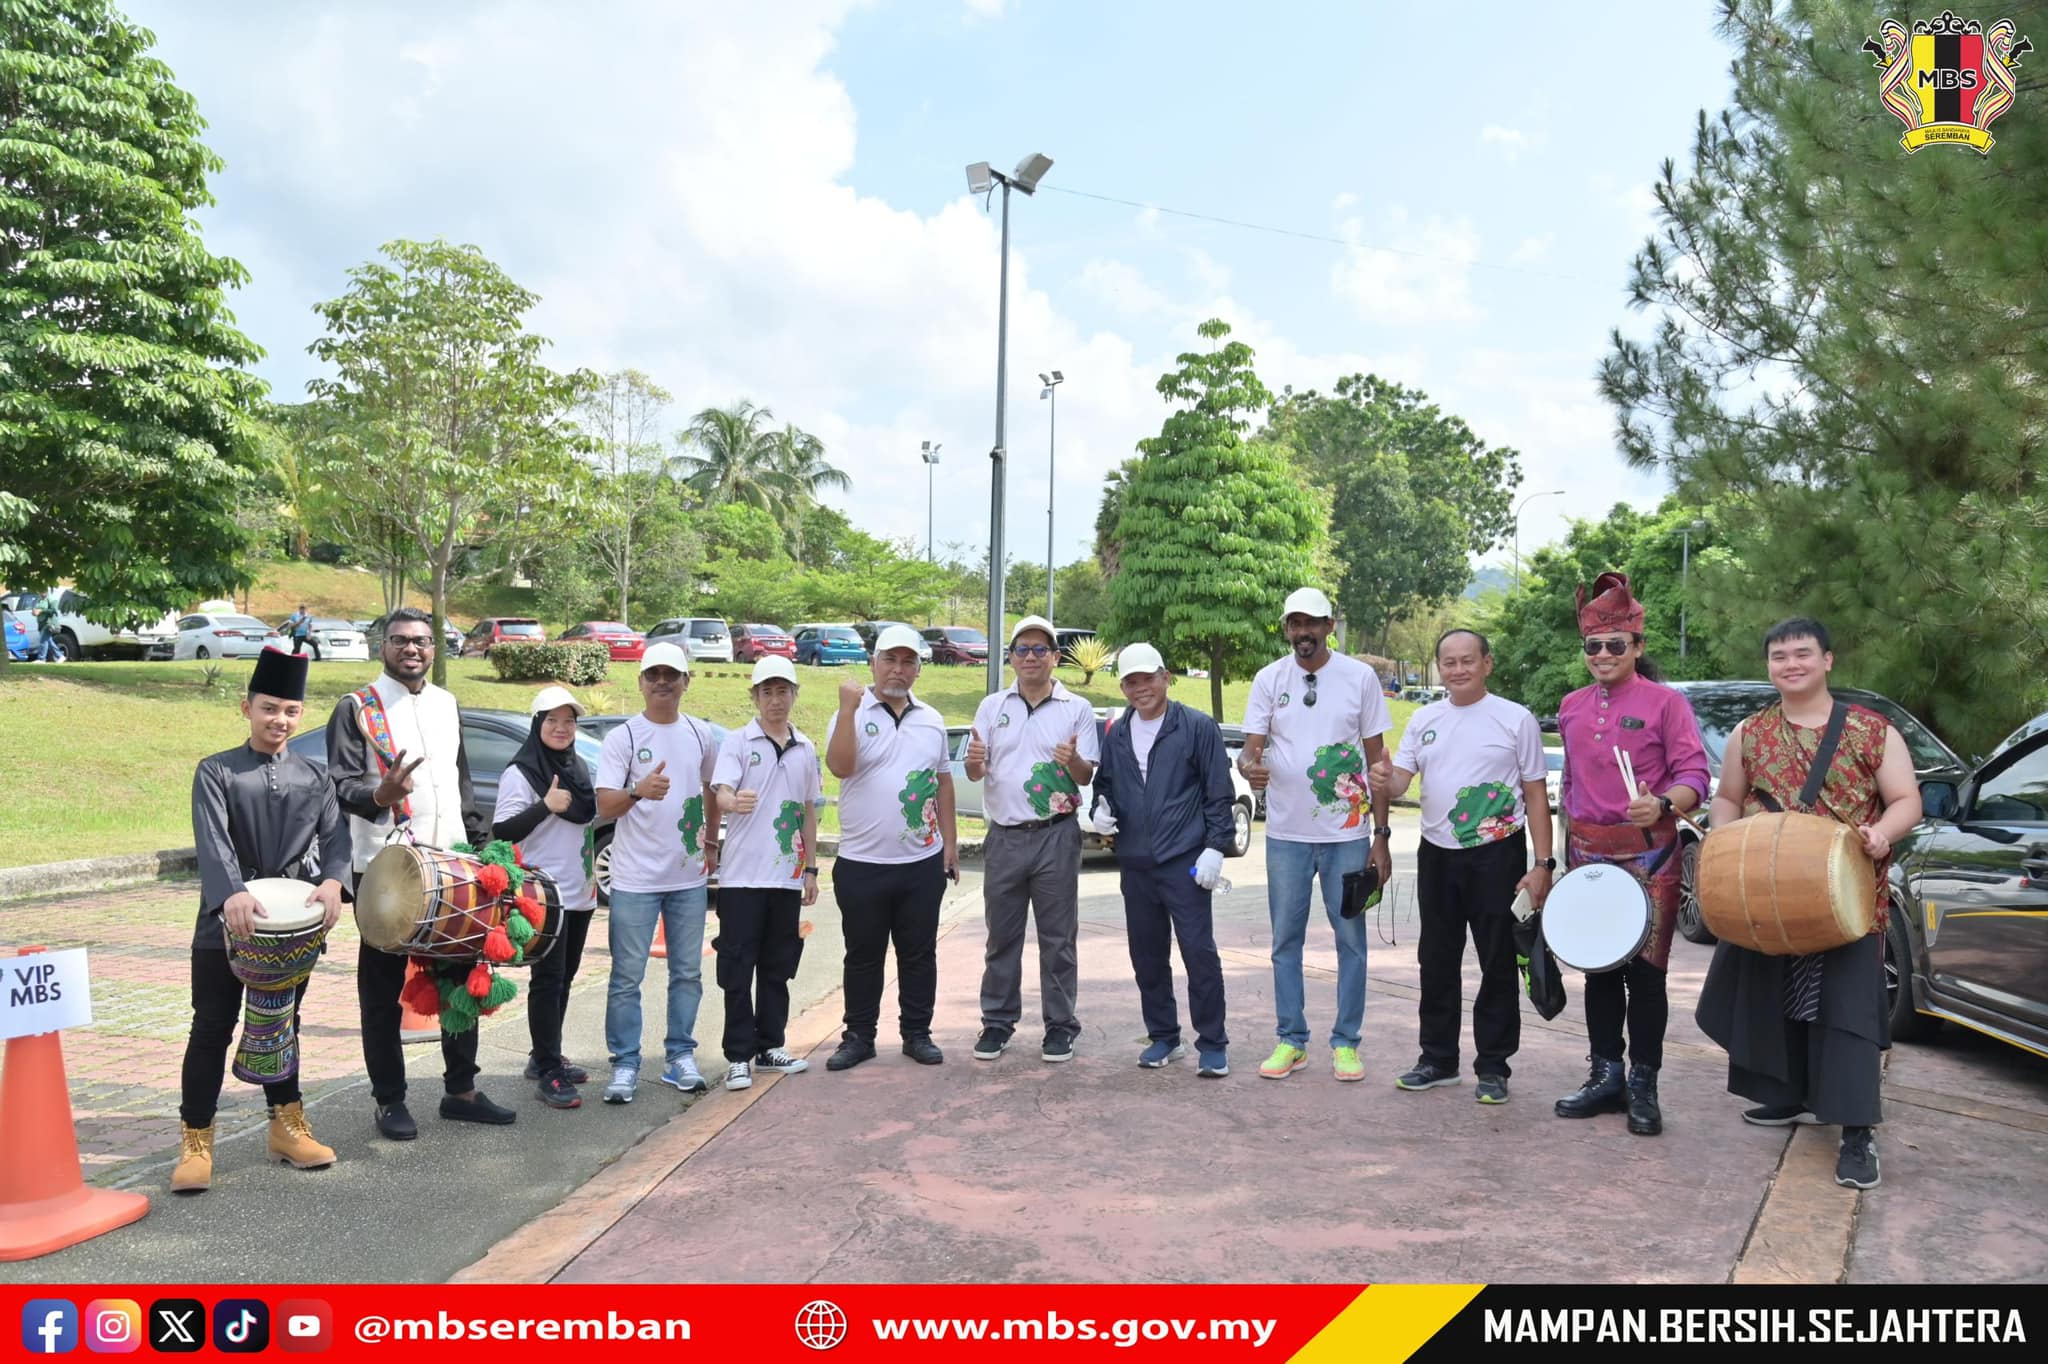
(685, 806)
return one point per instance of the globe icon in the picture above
(820, 1324)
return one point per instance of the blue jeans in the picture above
(1292, 869)
(633, 916)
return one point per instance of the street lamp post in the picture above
(1559, 492)
(980, 180)
(1685, 579)
(1052, 382)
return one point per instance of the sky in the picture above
(768, 202)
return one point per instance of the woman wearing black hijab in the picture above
(546, 805)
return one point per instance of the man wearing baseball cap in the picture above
(1033, 747)
(1163, 790)
(1312, 728)
(652, 779)
(897, 846)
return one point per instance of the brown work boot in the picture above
(194, 1171)
(291, 1140)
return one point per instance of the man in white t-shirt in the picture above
(1312, 726)
(898, 846)
(1480, 757)
(1033, 747)
(652, 780)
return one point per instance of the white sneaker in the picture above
(682, 1073)
(625, 1079)
(739, 1075)
(776, 1059)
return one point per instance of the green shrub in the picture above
(579, 665)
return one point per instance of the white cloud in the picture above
(1512, 141)
(985, 9)
(1532, 250)
(1409, 272)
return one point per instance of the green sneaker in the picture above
(1346, 1063)
(1285, 1060)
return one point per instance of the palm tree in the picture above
(737, 459)
(802, 470)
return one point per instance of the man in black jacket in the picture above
(1163, 790)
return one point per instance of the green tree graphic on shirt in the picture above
(1051, 791)
(692, 825)
(1337, 778)
(920, 801)
(789, 833)
(1483, 814)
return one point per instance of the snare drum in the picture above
(1597, 917)
(272, 964)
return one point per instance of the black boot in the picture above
(1603, 1092)
(1645, 1119)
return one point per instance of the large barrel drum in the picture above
(1787, 884)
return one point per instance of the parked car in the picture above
(21, 633)
(625, 642)
(870, 630)
(1720, 706)
(962, 644)
(495, 630)
(75, 635)
(1968, 939)
(212, 634)
(1067, 639)
(704, 639)
(752, 643)
(1233, 746)
(332, 639)
(828, 644)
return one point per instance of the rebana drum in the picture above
(1597, 917)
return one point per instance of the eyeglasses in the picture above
(1029, 650)
(403, 643)
(1615, 647)
(1308, 695)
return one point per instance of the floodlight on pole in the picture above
(931, 462)
(1052, 382)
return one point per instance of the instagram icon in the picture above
(113, 1326)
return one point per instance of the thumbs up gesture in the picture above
(1379, 778)
(653, 786)
(744, 801)
(977, 751)
(1065, 753)
(556, 799)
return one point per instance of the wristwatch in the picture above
(1547, 863)
(1383, 831)
(1665, 801)
(632, 790)
(810, 871)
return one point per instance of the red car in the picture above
(958, 644)
(750, 643)
(500, 630)
(626, 643)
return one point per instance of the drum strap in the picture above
(1823, 759)
(377, 729)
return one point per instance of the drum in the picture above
(271, 966)
(1597, 917)
(542, 887)
(1787, 884)
(426, 902)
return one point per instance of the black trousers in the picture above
(553, 974)
(1161, 903)
(880, 903)
(216, 1012)
(758, 950)
(1473, 888)
(1633, 993)
(379, 978)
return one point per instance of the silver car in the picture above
(705, 639)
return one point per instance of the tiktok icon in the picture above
(241, 1326)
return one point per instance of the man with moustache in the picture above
(1313, 725)
(898, 846)
(395, 755)
(1480, 757)
(1163, 791)
(1803, 1033)
(1033, 746)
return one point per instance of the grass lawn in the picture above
(99, 756)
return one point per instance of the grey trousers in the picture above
(1036, 872)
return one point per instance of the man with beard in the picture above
(1320, 717)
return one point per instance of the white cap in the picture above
(1308, 601)
(551, 698)
(771, 666)
(1139, 658)
(898, 637)
(1034, 623)
(665, 656)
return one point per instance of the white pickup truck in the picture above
(75, 634)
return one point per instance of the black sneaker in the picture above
(923, 1050)
(991, 1043)
(1058, 1046)
(556, 1091)
(1427, 1075)
(851, 1052)
(1492, 1089)
(1856, 1167)
(479, 1109)
(394, 1122)
(575, 1074)
(1778, 1115)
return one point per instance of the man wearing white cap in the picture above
(1033, 747)
(767, 783)
(897, 847)
(1163, 790)
(1312, 728)
(652, 779)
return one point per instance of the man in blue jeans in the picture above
(652, 778)
(1312, 728)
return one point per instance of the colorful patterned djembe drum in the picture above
(272, 965)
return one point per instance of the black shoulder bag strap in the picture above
(1823, 759)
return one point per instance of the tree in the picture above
(442, 403)
(799, 461)
(1848, 354)
(1215, 530)
(1083, 596)
(735, 460)
(1109, 549)
(622, 415)
(875, 581)
(125, 448)
(1024, 587)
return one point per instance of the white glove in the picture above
(1104, 820)
(1208, 869)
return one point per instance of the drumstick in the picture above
(1628, 772)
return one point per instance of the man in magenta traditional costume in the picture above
(1626, 708)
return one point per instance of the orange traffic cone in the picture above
(660, 948)
(45, 1203)
(414, 1026)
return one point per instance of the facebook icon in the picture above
(49, 1326)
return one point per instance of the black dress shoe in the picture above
(851, 1052)
(478, 1109)
(394, 1122)
(1605, 1091)
(923, 1050)
(1645, 1119)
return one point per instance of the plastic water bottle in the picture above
(1222, 883)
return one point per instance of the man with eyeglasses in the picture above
(1033, 747)
(1321, 717)
(394, 753)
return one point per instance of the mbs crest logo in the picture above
(1948, 79)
